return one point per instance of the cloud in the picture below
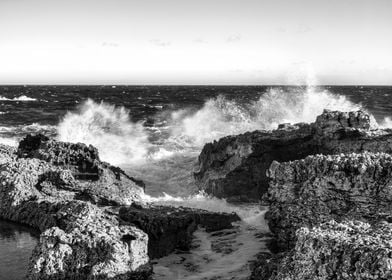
(160, 43)
(110, 44)
(233, 38)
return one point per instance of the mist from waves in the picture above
(121, 141)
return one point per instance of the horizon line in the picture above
(189, 85)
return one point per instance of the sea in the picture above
(155, 133)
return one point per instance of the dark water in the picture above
(158, 131)
(145, 101)
(16, 245)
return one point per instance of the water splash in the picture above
(220, 117)
(120, 141)
(108, 128)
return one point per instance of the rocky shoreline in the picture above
(328, 186)
(83, 208)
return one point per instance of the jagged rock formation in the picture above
(331, 217)
(87, 243)
(235, 166)
(348, 250)
(79, 240)
(79, 204)
(77, 172)
(320, 188)
(171, 228)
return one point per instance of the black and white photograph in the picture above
(195, 139)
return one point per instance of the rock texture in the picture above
(81, 206)
(171, 228)
(331, 215)
(80, 173)
(348, 250)
(235, 166)
(78, 240)
(328, 187)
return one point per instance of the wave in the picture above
(19, 98)
(386, 122)
(121, 141)
(108, 128)
(221, 117)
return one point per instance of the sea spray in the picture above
(220, 117)
(185, 131)
(108, 128)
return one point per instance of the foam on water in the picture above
(219, 255)
(20, 98)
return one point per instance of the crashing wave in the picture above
(108, 128)
(120, 140)
(221, 117)
(19, 98)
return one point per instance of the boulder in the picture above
(234, 167)
(170, 228)
(321, 188)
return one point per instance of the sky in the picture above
(260, 42)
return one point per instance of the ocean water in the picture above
(155, 133)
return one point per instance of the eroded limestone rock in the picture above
(235, 166)
(320, 188)
(348, 250)
(171, 228)
(79, 240)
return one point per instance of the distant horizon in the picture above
(217, 85)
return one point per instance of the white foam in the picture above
(108, 128)
(386, 123)
(121, 141)
(19, 98)
(220, 117)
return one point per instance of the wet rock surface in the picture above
(235, 166)
(172, 228)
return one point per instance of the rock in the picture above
(78, 240)
(321, 188)
(86, 177)
(87, 243)
(348, 250)
(235, 166)
(171, 228)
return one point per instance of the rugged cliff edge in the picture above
(73, 198)
(320, 188)
(331, 216)
(235, 166)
